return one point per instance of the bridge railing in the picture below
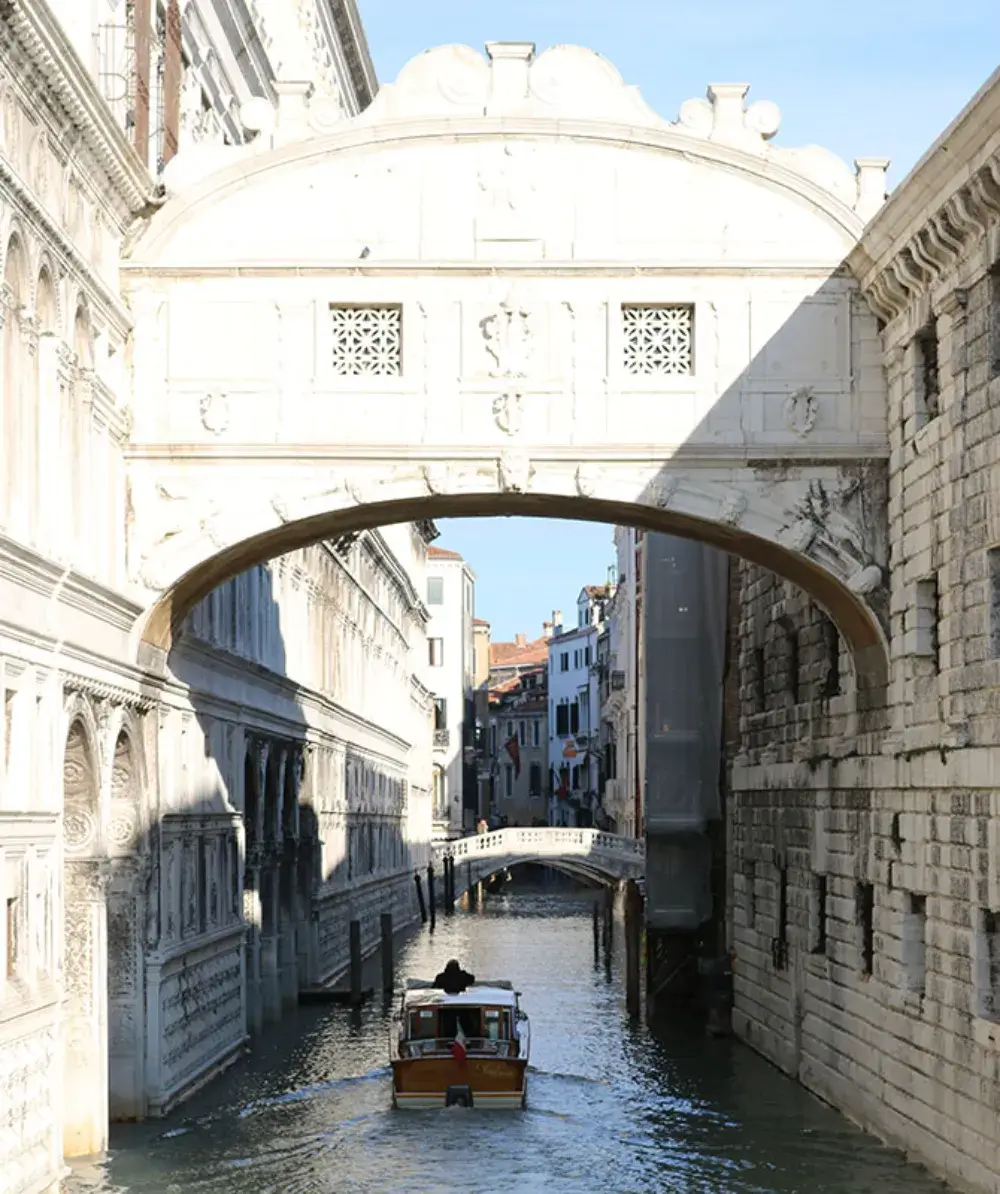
(542, 842)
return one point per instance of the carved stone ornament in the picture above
(661, 490)
(508, 412)
(437, 478)
(734, 506)
(797, 536)
(215, 412)
(509, 339)
(587, 477)
(514, 471)
(801, 409)
(865, 580)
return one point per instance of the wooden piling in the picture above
(420, 897)
(355, 942)
(430, 894)
(387, 962)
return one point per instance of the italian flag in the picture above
(458, 1045)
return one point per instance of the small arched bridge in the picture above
(588, 853)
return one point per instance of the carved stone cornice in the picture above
(99, 690)
(899, 266)
(36, 28)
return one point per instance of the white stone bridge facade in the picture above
(602, 857)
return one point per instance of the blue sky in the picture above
(879, 78)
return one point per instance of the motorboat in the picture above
(462, 1044)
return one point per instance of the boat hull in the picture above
(424, 1083)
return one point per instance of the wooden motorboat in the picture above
(466, 1048)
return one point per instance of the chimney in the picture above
(546, 629)
(520, 640)
(557, 621)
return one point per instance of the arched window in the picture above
(42, 429)
(14, 276)
(440, 794)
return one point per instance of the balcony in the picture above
(441, 739)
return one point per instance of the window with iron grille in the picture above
(658, 340)
(367, 341)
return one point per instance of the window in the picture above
(576, 778)
(865, 910)
(440, 796)
(927, 380)
(574, 718)
(576, 660)
(535, 779)
(915, 943)
(440, 713)
(986, 965)
(367, 341)
(436, 648)
(510, 730)
(779, 945)
(586, 657)
(926, 617)
(792, 662)
(562, 721)
(564, 662)
(535, 732)
(12, 936)
(508, 781)
(819, 915)
(435, 590)
(750, 893)
(522, 734)
(658, 340)
(993, 575)
(831, 643)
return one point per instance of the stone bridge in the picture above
(588, 853)
(509, 287)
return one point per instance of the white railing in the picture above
(618, 854)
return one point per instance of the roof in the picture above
(515, 655)
(442, 553)
(597, 590)
(479, 622)
(495, 993)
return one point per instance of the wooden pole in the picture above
(420, 897)
(355, 940)
(430, 894)
(387, 961)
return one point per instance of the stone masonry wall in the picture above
(865, 853)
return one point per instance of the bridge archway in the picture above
(510, 287)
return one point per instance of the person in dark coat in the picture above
(453, 979)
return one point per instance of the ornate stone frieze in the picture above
(514, 472)
(801, 409)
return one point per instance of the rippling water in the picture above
(611, 1108)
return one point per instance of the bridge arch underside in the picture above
(760, 514)
(469, 873)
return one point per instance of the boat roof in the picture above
(496, 993)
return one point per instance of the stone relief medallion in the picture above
(514, 472)
(214, 410)
(801, 409)
(122, 831)
(79, 829)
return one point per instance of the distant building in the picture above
(619, 687)
(574, 712)
(451, 673)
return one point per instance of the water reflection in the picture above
(611, 1107)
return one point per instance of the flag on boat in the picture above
(458, 1045)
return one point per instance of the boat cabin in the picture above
(485, 1015)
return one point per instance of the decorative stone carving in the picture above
(661, 490)
(509, 338)
(514, 470)
(437, 478)
(214, 410)
(587, 479)
(801, 409)
(734, 506)
(658, 340)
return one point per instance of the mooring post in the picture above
(633, 913)
(430, 894)
(449, 890)
(355, 937)
(597, 931)
(446, 880)
(387, 966)
(420, 897)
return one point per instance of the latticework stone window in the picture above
(659, 340)
(367, 341)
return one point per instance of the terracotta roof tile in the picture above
(516, 655)
(442, 553)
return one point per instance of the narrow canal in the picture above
(611, 1108)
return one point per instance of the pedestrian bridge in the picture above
(588, 853)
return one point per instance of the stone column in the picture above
(85, 1065)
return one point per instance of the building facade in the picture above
(619, 681)
(575, 712)
(451, 602)
(181, 846)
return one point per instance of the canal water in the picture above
(611, 1109)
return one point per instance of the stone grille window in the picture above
(659, 340)
(367, 341)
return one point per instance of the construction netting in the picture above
(684, 618)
